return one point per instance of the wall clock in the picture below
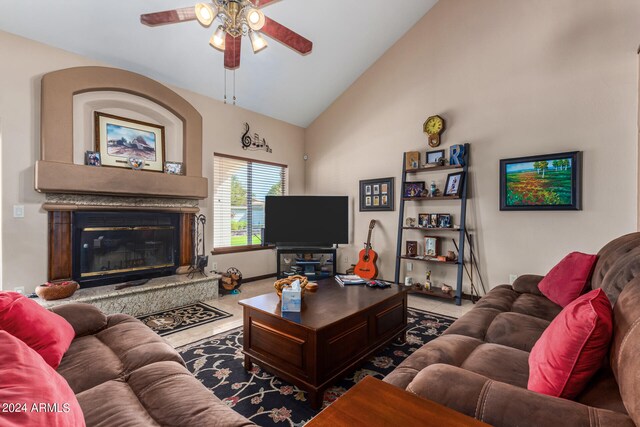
(433, 127)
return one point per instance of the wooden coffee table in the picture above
(337, 328)
(372, 402)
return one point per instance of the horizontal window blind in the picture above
(239, 189)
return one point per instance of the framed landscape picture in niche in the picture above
(118, 139)
(377, 194)
(545, 182)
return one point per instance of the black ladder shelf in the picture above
(461, 230)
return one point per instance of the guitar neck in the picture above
(368, 245)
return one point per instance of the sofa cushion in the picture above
(159, 394)
(499, 362)
(566, 281)
(45, 332)
(28, 380)
(573, 348)
(124, 345)
(516, 330)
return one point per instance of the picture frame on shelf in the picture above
(423, 220)
(413, 189)
(434, 157)
(174, 168)
(552, 182)
(453, 187)
(120, 138)
(377, 194)
(431, 246)
(410, 222)
(92, 158)
(433, 221)
(411, 248)
(412, 160)
(444, 220)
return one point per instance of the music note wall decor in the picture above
(255, 143)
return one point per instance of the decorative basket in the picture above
(50, 291)
(287, 281)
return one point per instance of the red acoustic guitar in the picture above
(366, 266)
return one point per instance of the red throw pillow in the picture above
(566, 281)
(31, 392)
(44, 331)
(573, 347)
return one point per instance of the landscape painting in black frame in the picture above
(543, 182)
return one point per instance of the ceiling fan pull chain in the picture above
(225, 86)
(234, 87)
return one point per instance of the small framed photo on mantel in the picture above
(377, 194)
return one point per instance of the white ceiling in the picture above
(348, 36)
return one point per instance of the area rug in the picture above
(268, 401)
(178, 319)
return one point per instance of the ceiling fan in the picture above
(236, 18)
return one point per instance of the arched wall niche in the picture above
(60, 171)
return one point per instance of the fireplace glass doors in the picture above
(115, 247)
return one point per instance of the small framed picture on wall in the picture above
(377, 194)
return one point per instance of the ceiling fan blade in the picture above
(285, 36)
(232, 52)
(169, 16)
(263, 3)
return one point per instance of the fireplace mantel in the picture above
(56, 172)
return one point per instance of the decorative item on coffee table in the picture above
(287, 281)
(57, 290)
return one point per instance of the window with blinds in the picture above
(239, 189)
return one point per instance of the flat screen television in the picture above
(306, 221)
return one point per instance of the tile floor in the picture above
(229, 303)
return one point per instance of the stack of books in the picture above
(349, 279)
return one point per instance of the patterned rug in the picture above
(178, 319)
(268, 401)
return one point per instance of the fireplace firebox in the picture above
(113, 247)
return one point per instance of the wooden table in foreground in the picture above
(373, 403)
(337, 328)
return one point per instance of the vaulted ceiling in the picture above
(348, 37)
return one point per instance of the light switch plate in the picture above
(18, 211)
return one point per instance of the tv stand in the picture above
(315, 263)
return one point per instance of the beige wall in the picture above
(512, 78)
(24, 241)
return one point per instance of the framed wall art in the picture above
(544, 182)
(120, 138)
(377, 194)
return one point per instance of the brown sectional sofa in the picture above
(123, 374)
(480, 365)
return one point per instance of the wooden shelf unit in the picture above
(436, 291)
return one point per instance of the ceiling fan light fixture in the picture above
(257, 42)
(255, 19)
(206, 13)
(218, 38)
